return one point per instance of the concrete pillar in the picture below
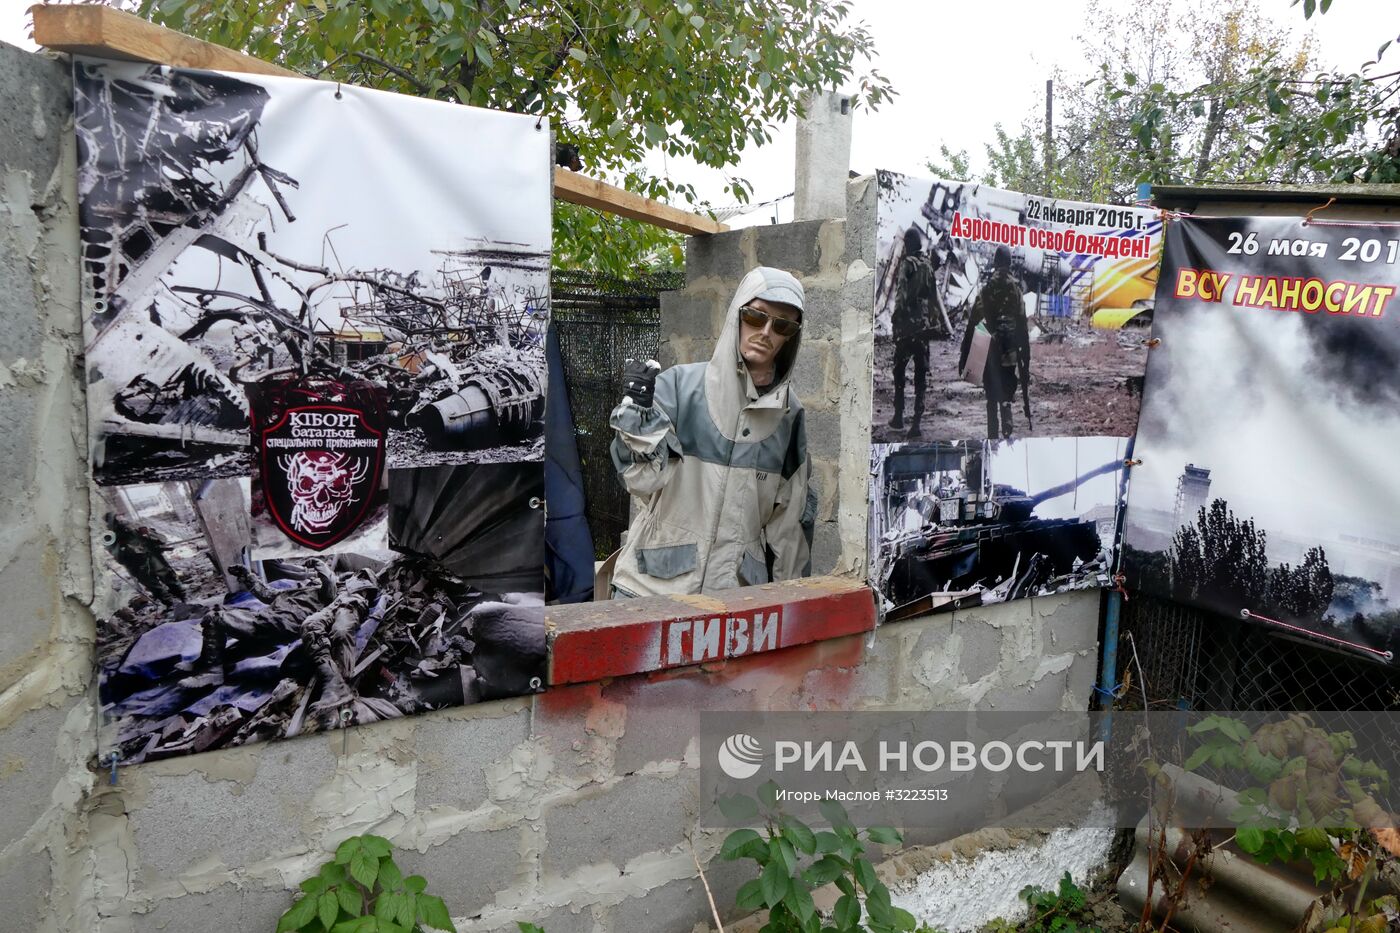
(823, 157)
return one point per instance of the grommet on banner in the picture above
(1153, 342)
(539, 124)
(338, 95)
(1132, 463)
(345, 715)
(1118, 586)
(1308, 219)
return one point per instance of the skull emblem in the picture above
(322, 484)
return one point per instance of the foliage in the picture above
(1064, 910)
(1278, 120)
(1215, 93)
(361, 890)
(785, 885)
(617, 78)
(1223, 559)
(1301, 778)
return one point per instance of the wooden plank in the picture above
(590, 192)
(102, 32)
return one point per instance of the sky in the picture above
(960, 69)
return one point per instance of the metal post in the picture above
(1108, 675)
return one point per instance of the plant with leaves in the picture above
(1300, 779)
(618, 79)
(1290, 124)
(837, 855)
(362, 890)
(1063, 910)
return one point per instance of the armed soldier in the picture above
(917, 314)
(1002, 315)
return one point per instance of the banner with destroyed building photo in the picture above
(970, 523)
(1266, 488)
(315, 321)
(1004, 315)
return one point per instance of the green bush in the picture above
(361, 890)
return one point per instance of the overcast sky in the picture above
(961, 68)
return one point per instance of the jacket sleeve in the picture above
(644, 442)
(789, 529)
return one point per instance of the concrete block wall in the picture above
(46, 658)
(835, 261)
(574, 810)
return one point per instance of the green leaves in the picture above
(362, 890)
(693, 79)
(775, 883)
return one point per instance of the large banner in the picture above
(1266, 487)
(315, 321)
(1010, 344)
(1000, 314)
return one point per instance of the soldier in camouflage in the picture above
(1000, 310)
(913, 321)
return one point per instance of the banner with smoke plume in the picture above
(314, 324)
(1266, 487)
(1010, 343)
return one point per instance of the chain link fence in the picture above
(601, 321)
(1180, 657)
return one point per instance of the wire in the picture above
(1249, 614)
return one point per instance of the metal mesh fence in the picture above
(1187, 658)
(602, 321)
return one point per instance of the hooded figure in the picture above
(719, 464)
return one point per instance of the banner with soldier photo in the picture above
(1264, 490)
(1003, 315)
(314, 323)
(1010, 342)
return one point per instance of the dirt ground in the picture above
(1080, 387)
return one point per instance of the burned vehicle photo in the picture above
(971, 523)
(213, 264)
(316, 392)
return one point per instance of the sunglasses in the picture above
(783, 327)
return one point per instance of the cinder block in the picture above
(822, 318)
(453, 754)
(860, 221)
(18, 428)
(641, 813)
(692, 314)
(566, 920)
(34, 129)
(24, 887)
(981, 648)
(1074, 626)
(188, 817)
(826, 548)
(468, 869)
(671, 908)
(814, 378)
(1080, 680)
(823, 432)
(719, 255)
(790, 247)
(31, 770)
(227, 908)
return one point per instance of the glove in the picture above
(639, 381)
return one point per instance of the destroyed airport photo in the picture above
(1085, 320)
(1262, 486)
(211, 266)
(205, 647)
(971, 523)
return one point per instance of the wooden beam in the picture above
(590, 192)
(102, 32)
